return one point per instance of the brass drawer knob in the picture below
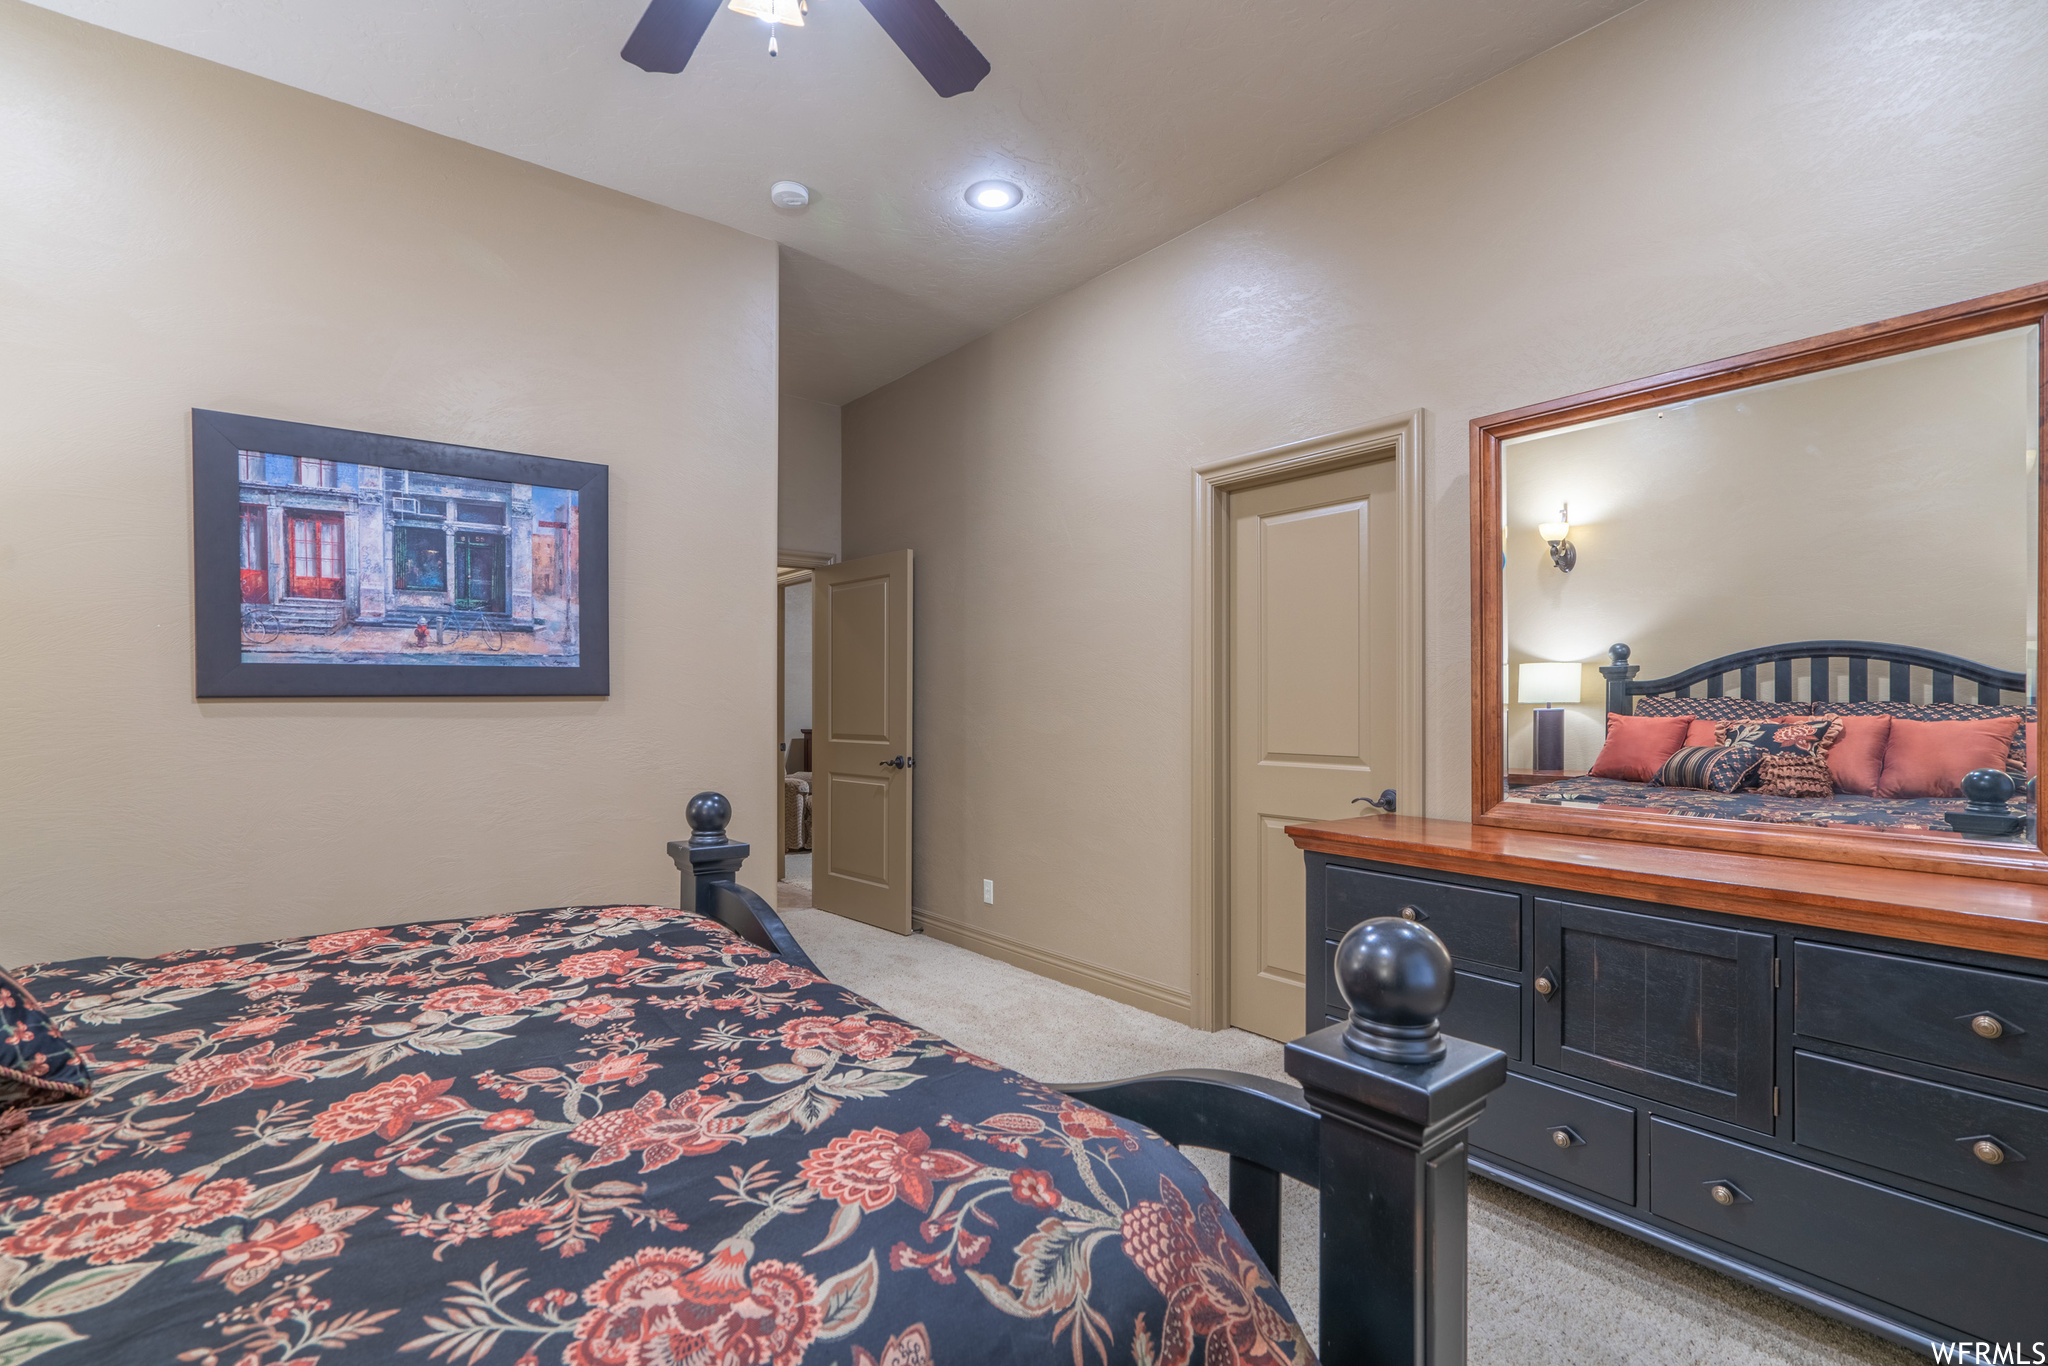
(1410, 913)
(1986, 1026)
(1723, 1195)
(1561, 1137)
(1987, 1152)
(1544, 986)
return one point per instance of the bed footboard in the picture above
(710, 865)
(1378, 1127)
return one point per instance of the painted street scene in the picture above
(356, 564)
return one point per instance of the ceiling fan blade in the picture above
(667, 34)
(933, 42)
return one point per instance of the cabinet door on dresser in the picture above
(1664, 1009)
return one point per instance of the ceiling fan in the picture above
(668, 32)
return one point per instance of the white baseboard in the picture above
(1117, 986)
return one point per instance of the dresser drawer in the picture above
(1912, 1008)
(1481, 1009)
(1477, 926)
(1922, 1129)
(1980, 1278)
(1524, 1118)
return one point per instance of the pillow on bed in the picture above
(1793, 752)
(1929, 758)
(1857, 758)
(1711, 768)
(1637, 746)
(2016, 762)
(36, 1066)
(1718, 708)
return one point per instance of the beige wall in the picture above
(808, 443)
(175, 234)
(1889, 501)
(1692, 179)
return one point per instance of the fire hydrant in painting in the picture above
(419, 635)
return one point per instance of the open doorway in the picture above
(793, 717)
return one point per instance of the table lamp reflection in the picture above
(1547, 685)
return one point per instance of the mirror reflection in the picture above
(1809, 603)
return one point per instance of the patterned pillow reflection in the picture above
(1711, 768)
(1792, 756)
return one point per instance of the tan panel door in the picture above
(1312, 716)
(860, 740)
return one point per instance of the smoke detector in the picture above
(789, 194)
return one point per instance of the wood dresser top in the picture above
(1926, 908)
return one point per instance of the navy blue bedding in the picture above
(1841, 810)
(613, 1136)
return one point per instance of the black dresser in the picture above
(1855, 1121)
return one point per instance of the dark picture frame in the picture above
(223, 670)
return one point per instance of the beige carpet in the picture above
(1545, 1285)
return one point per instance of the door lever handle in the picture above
(1384, 805)
(899, 762)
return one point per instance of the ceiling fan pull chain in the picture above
(771, 42)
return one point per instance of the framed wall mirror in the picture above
(1783, 603)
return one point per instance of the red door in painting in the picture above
(314, 544)
(255, 556)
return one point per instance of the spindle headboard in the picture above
(1995, 687)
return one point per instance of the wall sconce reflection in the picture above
(1563, 553)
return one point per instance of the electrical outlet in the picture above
(988, 891)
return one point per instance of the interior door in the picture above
(1313, 660)
(314, 543)
(861, 764)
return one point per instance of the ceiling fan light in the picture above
(993, 196)
(771, 11)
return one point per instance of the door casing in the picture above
(1397, 438)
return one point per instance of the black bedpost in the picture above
(1395, 1097)
(710, 865)
(707, 857)
(1617, 675)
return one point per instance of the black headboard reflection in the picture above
(1993, 685)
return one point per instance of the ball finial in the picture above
(1989, 786)
(1618, 653)
(708, 813)
(1396, 976)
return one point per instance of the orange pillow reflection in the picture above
(1929, 758)
(1637, 746)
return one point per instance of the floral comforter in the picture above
(1842, 809)
(611, 1136)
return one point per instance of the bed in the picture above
(628, 1135)
(1850, 674)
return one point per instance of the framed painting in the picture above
(331, 563)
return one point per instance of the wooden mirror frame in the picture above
(1930, 852)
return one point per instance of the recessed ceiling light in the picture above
(994, 195)
(789, 194)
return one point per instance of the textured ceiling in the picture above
(1127, 123)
